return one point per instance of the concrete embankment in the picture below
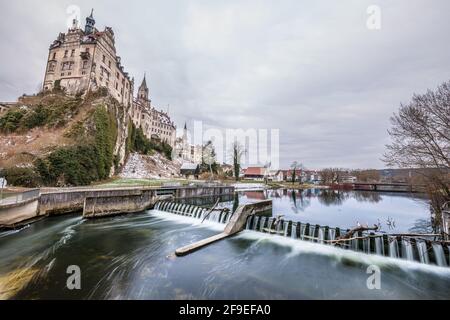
(96, 202)
(18, 209)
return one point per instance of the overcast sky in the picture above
(309, 68)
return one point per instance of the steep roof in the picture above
(188, 166)
(254, 171)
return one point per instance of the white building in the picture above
(186, 151)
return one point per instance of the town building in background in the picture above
(188, 152)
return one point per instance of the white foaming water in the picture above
(407, 250)
(439, 254)
(187, 220)
(393, 248)
(422, 251)
(307, 247)
(379, 247)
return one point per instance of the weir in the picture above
(96, 202)
(421, 249)
(235, 222)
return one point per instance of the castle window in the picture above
(104, 59)
(54, 55)
(69, 73)
(72, 53)
(67, 65)
(109, 64)
(51, 67)
(66, 53)
(85, 64)
(62, 74)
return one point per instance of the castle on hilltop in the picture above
(155, 124)
(86, 60)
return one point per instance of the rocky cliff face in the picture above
(150, 167)
(59, 140)
(122, 121)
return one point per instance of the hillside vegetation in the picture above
(56, 140)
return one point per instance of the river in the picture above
(131, 257)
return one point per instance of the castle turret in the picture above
(143, 91)
(90, 23)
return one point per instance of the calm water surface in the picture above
(344, 209)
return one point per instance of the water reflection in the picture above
(422, 226)
(397, 212)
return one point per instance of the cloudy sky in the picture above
(312, 69)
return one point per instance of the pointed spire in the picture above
(144, 81)
(90, 23)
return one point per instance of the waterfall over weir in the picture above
(220, 215)
(409, 248)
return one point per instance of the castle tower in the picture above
(90, 23)
(143, 92)
(185, 134)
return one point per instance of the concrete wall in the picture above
(113, 201)
(118, 203)
(15, 214)
(98, 202)
(193, 192)
(61, 202)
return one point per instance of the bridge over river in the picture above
(388, 187)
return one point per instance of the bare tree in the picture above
(331, 175)
(420, 136)
(209, 157)
(367, 175)
(296, 167)
(237, 151)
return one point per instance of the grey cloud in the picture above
(310, 68)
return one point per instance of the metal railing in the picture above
(19, 197)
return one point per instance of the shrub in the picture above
(23, 177)
(138, 142)
(10, 122)
(71, 166)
